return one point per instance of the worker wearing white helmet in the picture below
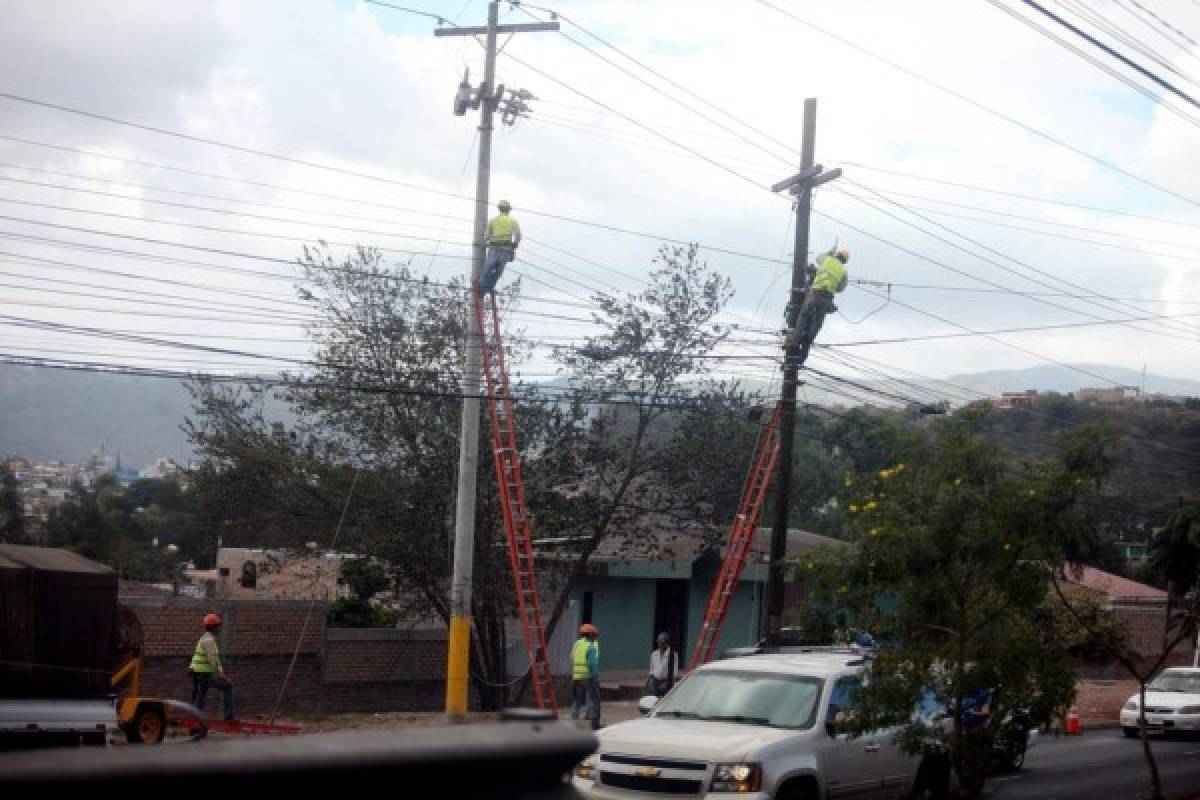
(829, 279)
(503, 236)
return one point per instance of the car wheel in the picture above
(1130, 733)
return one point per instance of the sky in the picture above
(367, 91)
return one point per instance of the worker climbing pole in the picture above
(512, 104)
(795, 351)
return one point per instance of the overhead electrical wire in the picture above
(981, 106)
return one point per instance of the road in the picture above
(1100, 765)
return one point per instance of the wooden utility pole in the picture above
(488, 99)
(800, 185)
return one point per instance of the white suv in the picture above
(1172, 703)
(758, 727)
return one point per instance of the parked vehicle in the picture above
(1172, 703)
(762, 726)
(70, 666)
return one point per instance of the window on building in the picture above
(249, 575)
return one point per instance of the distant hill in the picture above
(1053, 378)
(59, 415)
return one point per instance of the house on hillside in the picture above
(1115, 396)
(663, 585)
(1024, 399)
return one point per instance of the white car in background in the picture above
(1172, 703)
(763, 727)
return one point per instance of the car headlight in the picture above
(586, 769)
(737, 778)
(1189, 710)
(1130, 706)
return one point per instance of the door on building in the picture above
(670, 615)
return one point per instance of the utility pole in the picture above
(800, 186)
(488, 99)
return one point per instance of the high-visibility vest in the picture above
(580, 671)
(200, 658)
(831, 275)
(500, 229)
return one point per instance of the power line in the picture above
(530, 211)
(1017, 195)
(1025, 329)
(1040, 220)
(1162, 83)
(982, 107)
(1023, 264)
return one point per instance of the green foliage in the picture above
(366, 578)
(951, 570)
(120, 526)
(12, 524)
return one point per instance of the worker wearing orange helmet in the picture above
(206, 668)
(585, 675)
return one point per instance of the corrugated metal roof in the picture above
(49, 559)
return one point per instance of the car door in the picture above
(851, 767)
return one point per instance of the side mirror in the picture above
(647, 704)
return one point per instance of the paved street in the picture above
(1101, 765)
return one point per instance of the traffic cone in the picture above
(1073, 723)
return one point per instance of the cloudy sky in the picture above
(1031, 189)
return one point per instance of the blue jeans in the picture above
(201, 681)
(585, 697)
(498, 255)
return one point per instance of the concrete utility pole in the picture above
(800, 185)
(488, 99)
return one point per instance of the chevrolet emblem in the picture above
(647, 772)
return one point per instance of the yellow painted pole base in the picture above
(457, 664)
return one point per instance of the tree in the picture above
(950, 572)
(12, 523)
(129, 529)
(365, 578)
(372, 431)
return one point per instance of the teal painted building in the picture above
(631, 599)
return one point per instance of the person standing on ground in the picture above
(503, 236)
(207, 670)
(664, 666)
(585, 675)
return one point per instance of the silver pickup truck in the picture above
(762, 726)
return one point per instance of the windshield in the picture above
(1176, 682)
(752, 698)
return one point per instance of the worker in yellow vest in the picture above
(503, 236)
(207, 670)
(585, 675)
(829, 279)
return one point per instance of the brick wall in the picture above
(335, 670)
(373, 655)
(1144, 630)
